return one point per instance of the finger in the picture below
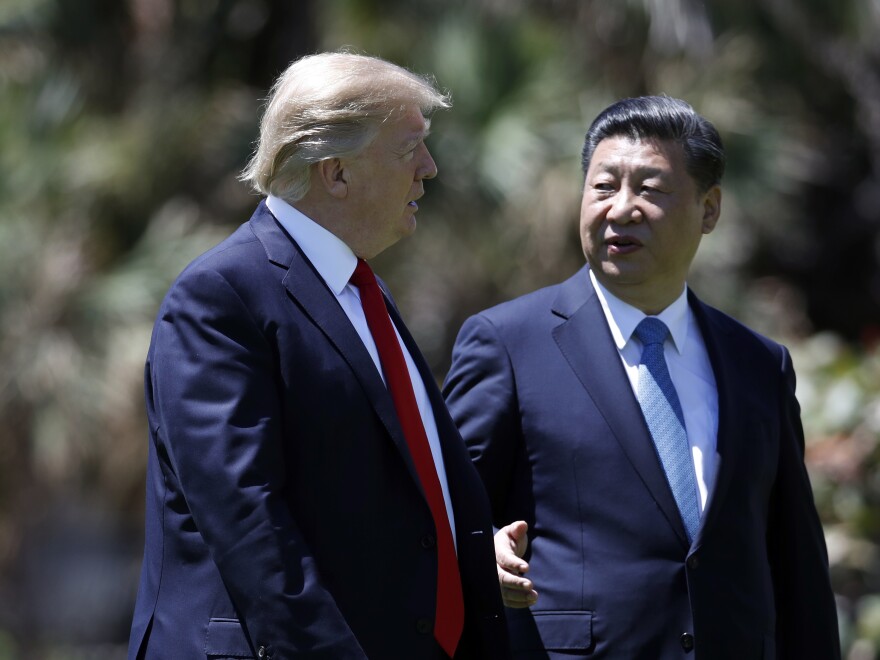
(518, 599)
(513, 581)
(510, 545)
(509, 562)
(514, 536)
(512, 533)
(519, 536)
(517, 530)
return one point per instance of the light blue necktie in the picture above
(665, 419)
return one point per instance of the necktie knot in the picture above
(651, 331)
(363, 274)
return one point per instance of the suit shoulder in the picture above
(523, 309)
(741, 334)
(234, 267)
(543, 307)
(236, 249)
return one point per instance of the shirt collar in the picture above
(333, 259)
(623, 317)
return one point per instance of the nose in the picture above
(623, 209)
(427, 167)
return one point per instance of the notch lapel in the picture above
(725, 367)
(311, 293)
(586, 342)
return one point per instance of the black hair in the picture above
(662, 118)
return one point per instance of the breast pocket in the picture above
(226, 639)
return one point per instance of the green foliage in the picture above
(838, 391)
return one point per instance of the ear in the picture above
(711, 202)
(333, 176)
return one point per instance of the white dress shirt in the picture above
(689, 368)
(335, 263)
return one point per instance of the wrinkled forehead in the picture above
(397, 132)
(626, 151)
(405, 122)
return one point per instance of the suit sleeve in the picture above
(480, 392)
(217, 402)
(806, 616)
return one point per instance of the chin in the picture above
(409, 225)
(606, 268)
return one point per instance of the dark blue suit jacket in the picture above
(283, 508)
(539, 393)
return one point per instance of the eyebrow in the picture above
(644, 171)
(413, 141)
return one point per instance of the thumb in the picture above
(518, 534)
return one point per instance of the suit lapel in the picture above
(586, 342)
(310, 292)
(725, 367)
(455, 456)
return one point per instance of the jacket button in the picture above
(687, 642)
(693, 563)
(424, 626)
(261, 653)
(428, 541)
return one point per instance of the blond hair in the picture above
(329, 105)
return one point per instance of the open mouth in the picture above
(622, 244)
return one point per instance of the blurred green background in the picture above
(123, 125)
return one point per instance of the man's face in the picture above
(642, 219)
(385, 180)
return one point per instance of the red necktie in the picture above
(449, 618)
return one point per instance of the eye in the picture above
(409, 151)
(651, 189)
(655, 183)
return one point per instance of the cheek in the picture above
(589, 226)
(589, 243)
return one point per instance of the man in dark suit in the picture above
(642, 451)
(297, 507)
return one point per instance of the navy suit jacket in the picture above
(284, 516)
(539, 393)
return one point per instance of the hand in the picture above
(510, 546)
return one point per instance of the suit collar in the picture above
(331, 257)
(573, 294)
(623, 318)
(279, 246)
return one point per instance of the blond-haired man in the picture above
(308, 494)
